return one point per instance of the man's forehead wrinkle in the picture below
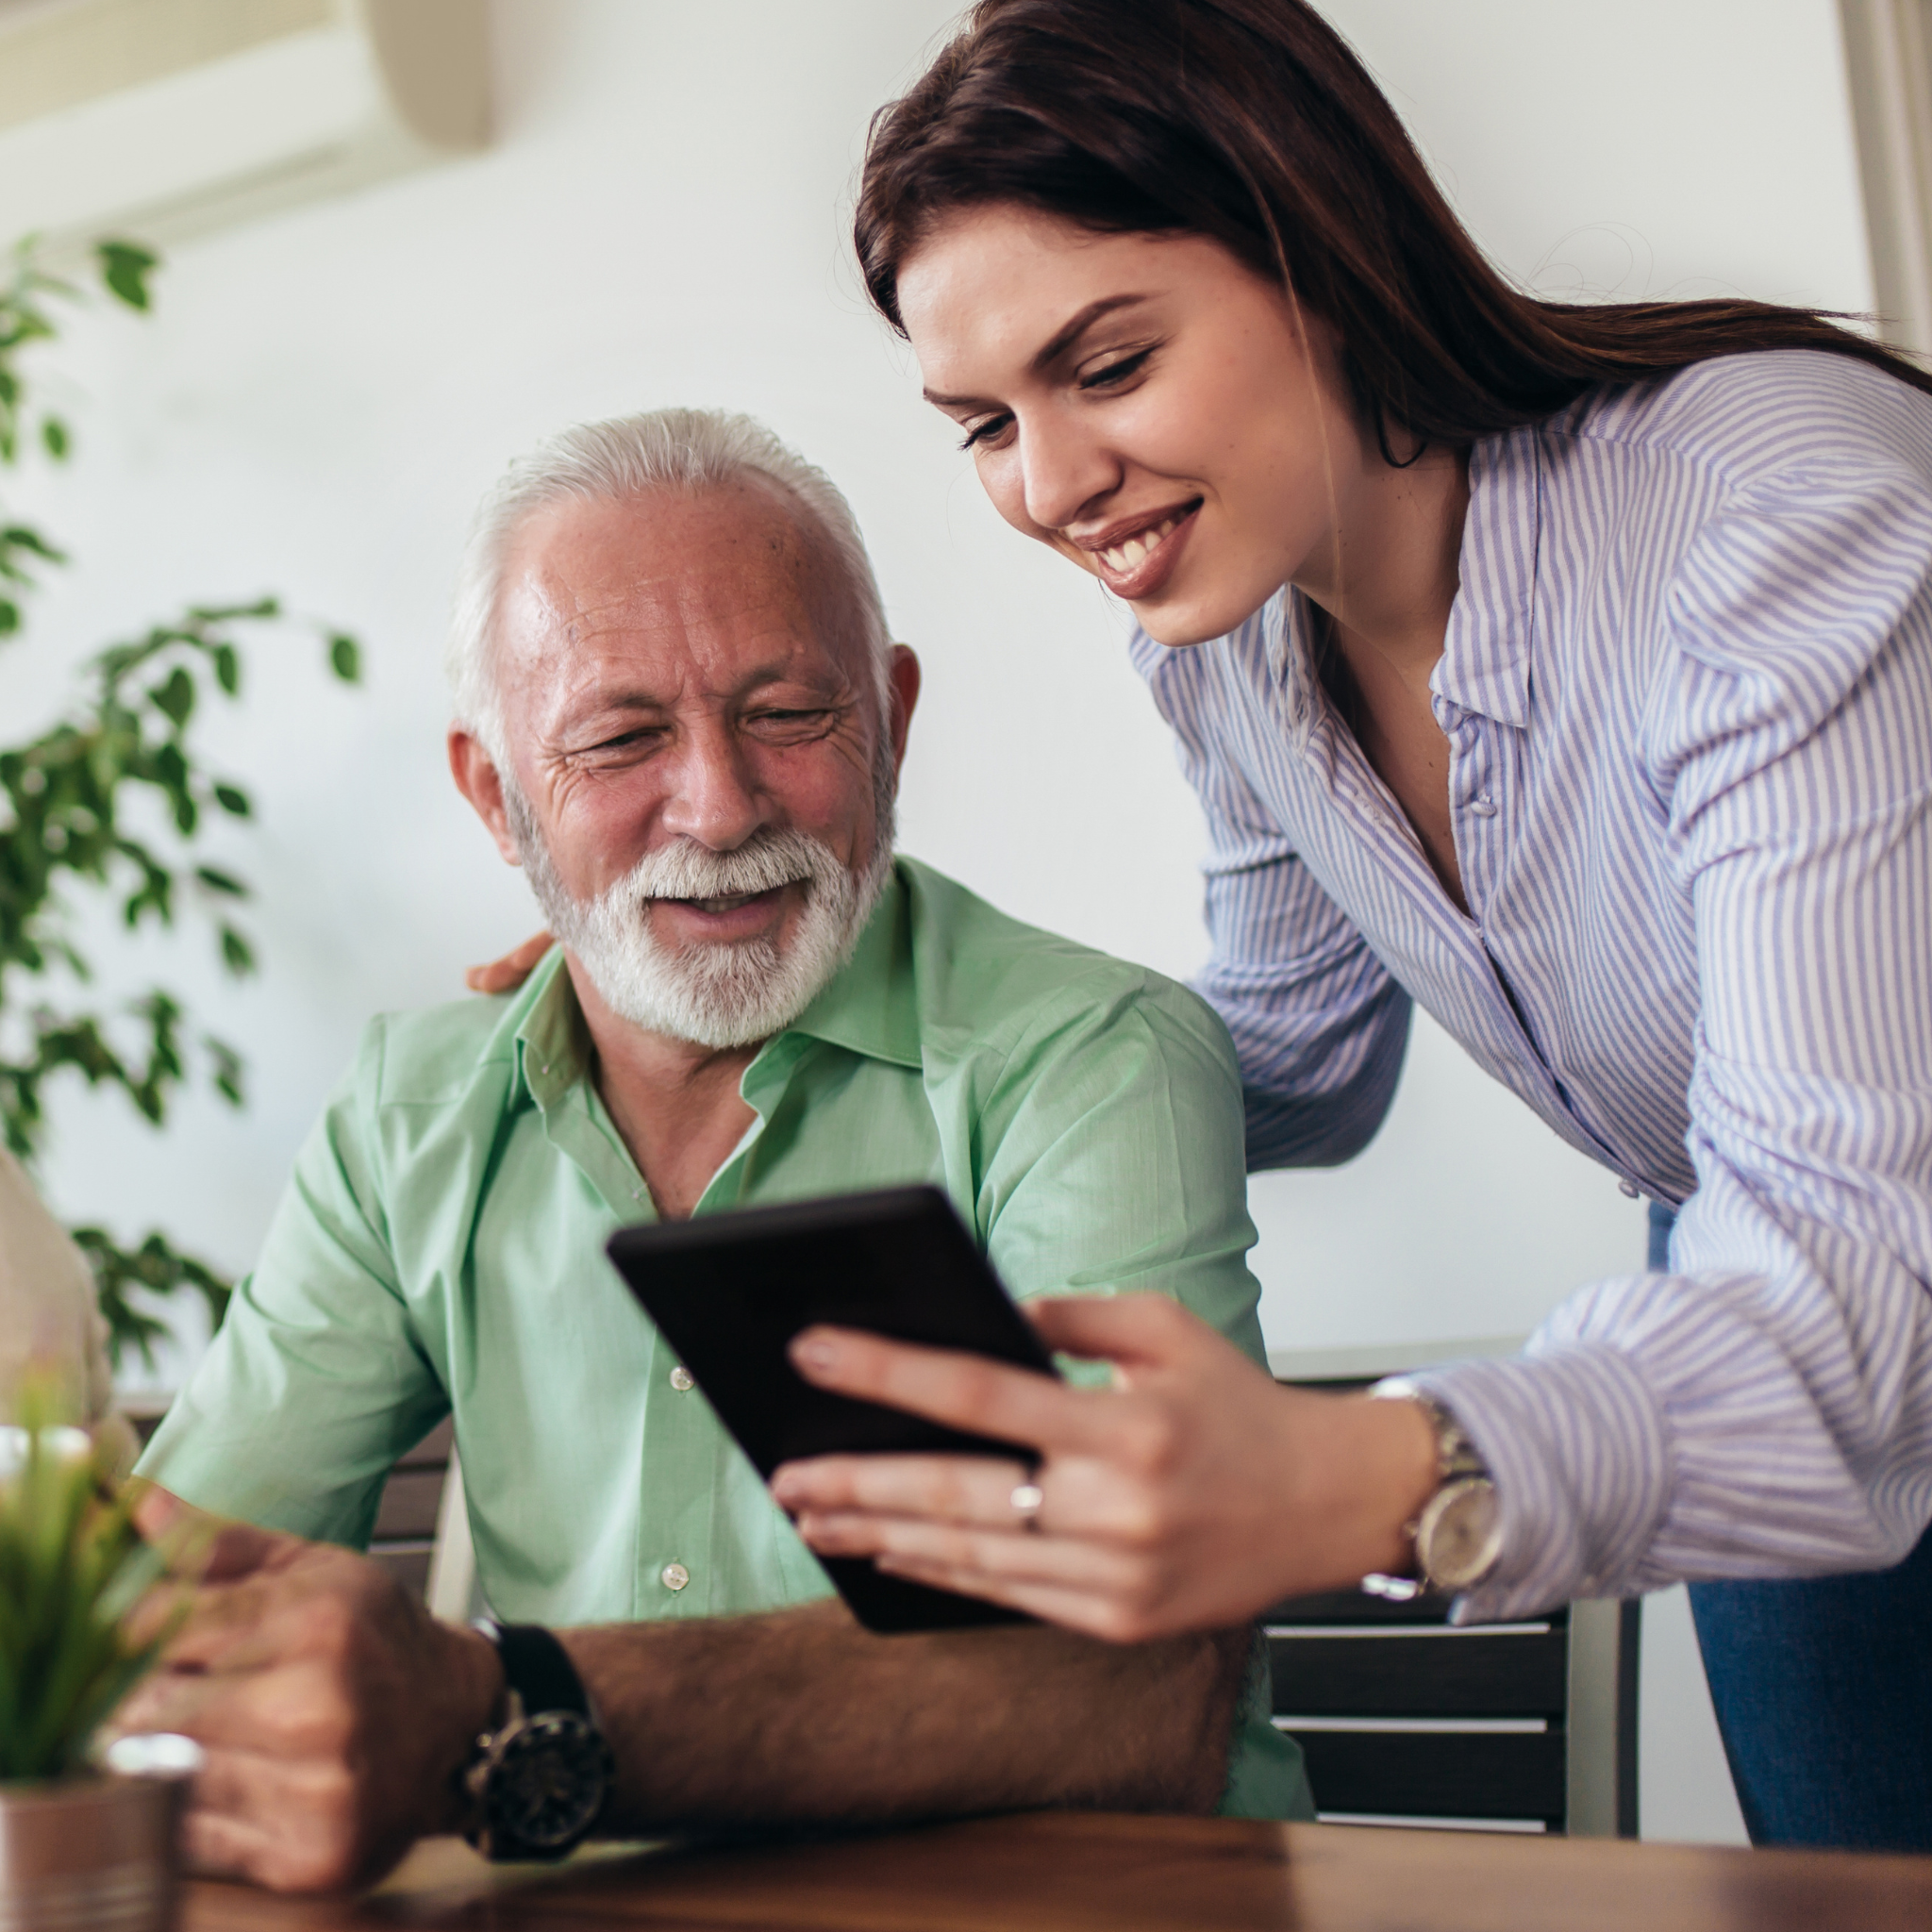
(674, 597)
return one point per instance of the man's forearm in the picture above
(803, 1715)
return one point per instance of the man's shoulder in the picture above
(436, 1056)
(985, 976)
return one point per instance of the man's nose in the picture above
(713, 800)
(1063, 468)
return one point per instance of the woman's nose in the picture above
(1062, 470)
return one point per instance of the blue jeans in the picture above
(1823, 1690)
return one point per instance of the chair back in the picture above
(1406, 1719)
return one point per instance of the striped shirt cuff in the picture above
(1577, 1448)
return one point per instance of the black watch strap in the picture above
(537, 1668)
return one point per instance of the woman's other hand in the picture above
(1190, 1495)
(508, 972)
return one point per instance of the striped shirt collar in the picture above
(1484, 662)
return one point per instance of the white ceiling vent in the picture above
(163, 119)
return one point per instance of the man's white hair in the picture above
(688, 451)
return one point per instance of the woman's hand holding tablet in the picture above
(1190, 1495)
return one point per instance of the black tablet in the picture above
(730, 1291)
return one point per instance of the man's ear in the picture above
(478, 780)
(902, 678)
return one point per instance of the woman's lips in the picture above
(1140, 565)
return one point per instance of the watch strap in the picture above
(1455, 1455)
(536, 1667)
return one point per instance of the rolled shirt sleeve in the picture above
(319, 1333)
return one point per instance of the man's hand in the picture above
(334, 1709)
(508, 972)
(1189, 1497)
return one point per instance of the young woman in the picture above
(1566, 670)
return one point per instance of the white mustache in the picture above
(763, 863)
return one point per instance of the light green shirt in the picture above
(440, 1250)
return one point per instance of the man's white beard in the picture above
(721, 994)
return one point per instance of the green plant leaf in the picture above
(237, 955)
(175, 697)
(218, 881)
(23, 537)
(155, 1268)
(55, 439)
(345, 658)
(228, 1070)
(125, 268)
(227, 668)
(9, 617)
(232, 799)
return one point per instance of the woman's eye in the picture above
(1111, 373)
(983, 435)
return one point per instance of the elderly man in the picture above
(680, 712)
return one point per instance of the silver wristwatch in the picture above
(1458, 1533)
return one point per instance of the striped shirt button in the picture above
(674, 1576)
(682, 1378)
(1483, 806)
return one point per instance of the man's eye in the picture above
(983, 435)
(641, 739)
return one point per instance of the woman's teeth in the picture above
(1134, 551)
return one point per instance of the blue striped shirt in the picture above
(1687, 685)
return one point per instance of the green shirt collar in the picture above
(869, 1006)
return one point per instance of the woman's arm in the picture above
(1319, 1026)
(1765, 1408)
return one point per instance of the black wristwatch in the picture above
(537, 1781)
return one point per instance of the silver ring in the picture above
(1029, 1499)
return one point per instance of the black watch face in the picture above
(547, 1786)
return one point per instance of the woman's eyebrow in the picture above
(1050, 351)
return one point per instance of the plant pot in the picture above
(90, 1854)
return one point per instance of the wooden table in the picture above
(1074, 1872)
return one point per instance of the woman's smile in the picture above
(1135, 557)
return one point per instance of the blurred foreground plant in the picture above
(71, 1567)
(74, 805)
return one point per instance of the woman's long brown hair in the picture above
(1252, 123)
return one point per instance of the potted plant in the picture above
(84, 1843)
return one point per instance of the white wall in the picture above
(321, 398)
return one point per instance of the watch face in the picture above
(1463, 1535)
(547, 1785)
